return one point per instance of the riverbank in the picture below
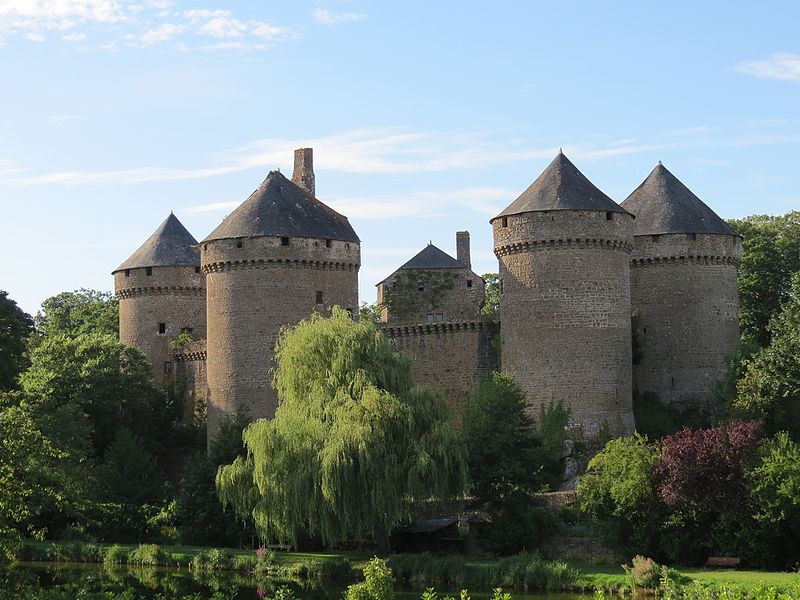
(523, 572)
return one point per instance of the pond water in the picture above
(177, 582)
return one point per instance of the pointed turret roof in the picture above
(432, 257)
(171, 244)
(561, 186)
(281, 207)
(662, 204)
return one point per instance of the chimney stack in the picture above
(304, 169)
(462, 248)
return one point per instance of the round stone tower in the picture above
(161, 293)
(564, 251)
(280, 256)
(683, 291)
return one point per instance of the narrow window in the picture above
(167, 367)
(672, 382)
(469, 282)
(239, 243)
(347, 246)
(320, 299)
(284, 241)
(127, 272)
(205, 246)
(197, 269)
(162, 328)
(504, 222)
(328, 243)
(430, 317)
(148, 271)
(609, 216)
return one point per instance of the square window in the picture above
(430, 317)
(439, 317)
(239, 243)
(284, 241)
(162, 328)
(197, 269)
(420, 289)
(609, 216)
(148, 271)
(469, 282)
(127, 272)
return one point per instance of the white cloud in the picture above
(162, 33)
(33, 16)
(326, 17)
(214, 207)
(35, 36)
(74, 37)
(781, 66)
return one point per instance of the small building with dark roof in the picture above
(684, 294)
(433, 287)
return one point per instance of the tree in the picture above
(491, 302)
(770, 256)
(129, 472)
(503, 450)
(353, 444)
(77, 313)
(370, 312)
(619, 480)
(701, 473)
(15, 328)
(25, 457)
(770, 386)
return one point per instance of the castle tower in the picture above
(433, 287)
(683, 291)
(278, 257)
(564, 251)
(161, 293)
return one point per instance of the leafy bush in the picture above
(644, 572)
(530, 572)
(378, 583)
(428, 569)
(149, 555)
(115, 555)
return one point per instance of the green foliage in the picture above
(378, 583)
(770, 256)
(417, 292)
(78, 313)
(149, 555)
(370, 313)
(503, 450)
(183, 338)
(115, 555)
(530, 572)
(428, 569)
(15, 328)
(26, 459)
(491, 304)
(619, 480)
(553, 422)
(352, 446)
(654, 419)
(770, 386)
(129, 473)
(776, 482)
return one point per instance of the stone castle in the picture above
(576, 269)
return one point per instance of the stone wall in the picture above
(255, 287)
(421, 295)
(191, 375)
(685, 298)
(173, 296)
(565, 307)
(449, 357)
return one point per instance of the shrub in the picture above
(644, 572)
(149, 555)
(428, 569)
(378, 583)
(529, 572)
(115, 555)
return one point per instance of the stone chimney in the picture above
(462, 248)
(304, 169)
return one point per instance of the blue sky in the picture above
(425, 117)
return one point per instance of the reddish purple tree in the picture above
(702, 471)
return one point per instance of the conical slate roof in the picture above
(561, 186)
(662, 204)
(171, 244)
(281, 207)
(432, 257)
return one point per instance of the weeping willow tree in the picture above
(353, 445)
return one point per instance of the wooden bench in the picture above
(723, 561)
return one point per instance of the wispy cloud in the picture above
(781, 66)
(64, 118)
(326, 17)
(213, 207)
(137, 24)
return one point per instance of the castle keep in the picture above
(576, 270)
